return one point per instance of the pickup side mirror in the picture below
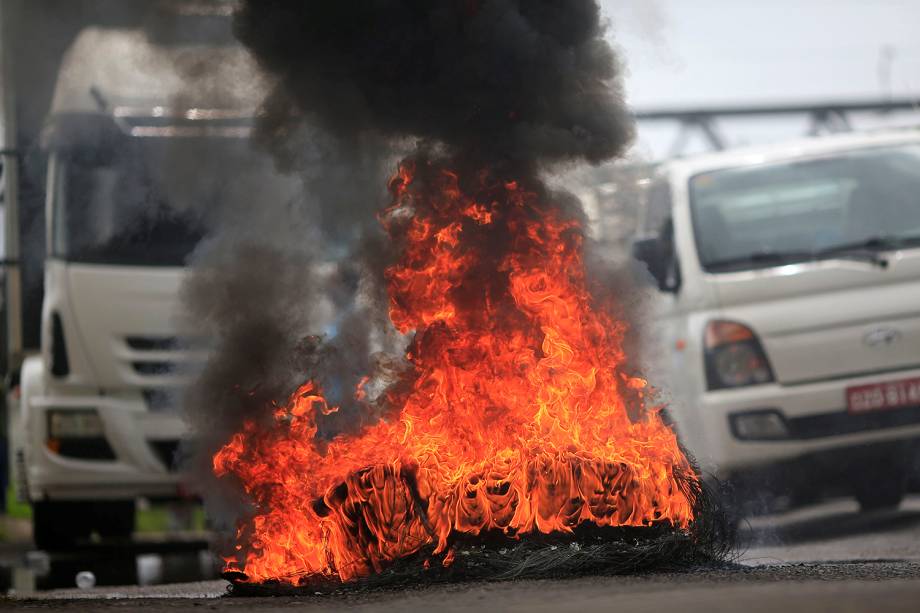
(658, 255)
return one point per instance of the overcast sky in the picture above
(716, 51)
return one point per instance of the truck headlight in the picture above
(78, 433)
(80, 423)
(734, 356)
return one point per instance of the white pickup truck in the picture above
(788, 313)
(137, 149)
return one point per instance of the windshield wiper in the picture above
(761, 259)
(867, 249)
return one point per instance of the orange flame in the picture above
(517, 417)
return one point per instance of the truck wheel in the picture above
(884, 494)
(59, 525)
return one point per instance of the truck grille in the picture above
(159, 367)
(153, 343)
(153, 368)
(161, 400)
(168, 453)
(160, 361)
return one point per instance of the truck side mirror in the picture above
(658, 255)
(87, 139)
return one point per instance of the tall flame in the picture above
(516, 415)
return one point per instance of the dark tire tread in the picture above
(59, 525)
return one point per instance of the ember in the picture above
(515, 416)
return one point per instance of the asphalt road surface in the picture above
(825, 558)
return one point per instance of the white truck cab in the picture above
(788, 313)
(134, 147)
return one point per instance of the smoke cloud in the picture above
(530, 80)
(296, 292)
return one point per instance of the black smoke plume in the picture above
(530, 80)
(516, 86)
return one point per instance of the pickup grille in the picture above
(841, 422)
(837, 423)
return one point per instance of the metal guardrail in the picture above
(824, 117)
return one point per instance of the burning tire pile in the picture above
(513, 439)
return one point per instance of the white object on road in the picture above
(86, 580)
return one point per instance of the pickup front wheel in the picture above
(884, 489)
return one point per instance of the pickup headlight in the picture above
(759, 425)
(734, 356)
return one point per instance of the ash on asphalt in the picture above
(827, 557)
(888, 584)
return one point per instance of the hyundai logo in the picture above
(882, 337)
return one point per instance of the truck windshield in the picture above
(847, 205)
(147, 203)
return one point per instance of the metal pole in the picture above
(10, 156)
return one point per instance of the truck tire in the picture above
(61, 525)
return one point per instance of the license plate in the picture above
(883, 396)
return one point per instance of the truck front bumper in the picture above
(141, 461)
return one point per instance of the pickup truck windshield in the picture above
(146, 204)
(851, 204)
